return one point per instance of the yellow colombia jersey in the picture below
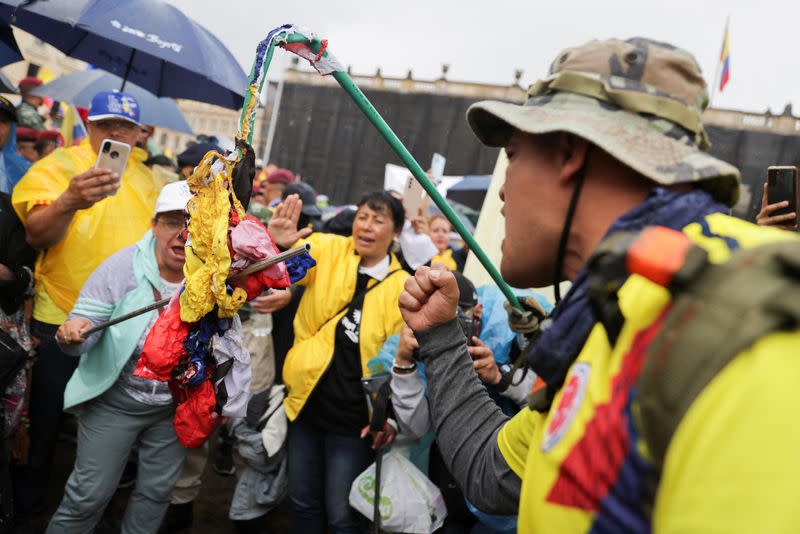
(94, 234)
(733, 464)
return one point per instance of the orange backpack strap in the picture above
(662, 255)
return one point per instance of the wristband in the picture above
(404, 369)
(392, 423)
(506, 375)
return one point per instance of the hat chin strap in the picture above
(580, 177)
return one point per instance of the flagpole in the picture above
(719, 64)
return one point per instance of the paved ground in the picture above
(210, 510)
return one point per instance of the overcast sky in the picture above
(485, 40)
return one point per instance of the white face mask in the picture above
(43, 110)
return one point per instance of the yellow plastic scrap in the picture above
(208, 258)
(250, 112)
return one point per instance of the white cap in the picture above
(173, 197)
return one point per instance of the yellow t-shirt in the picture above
(45, 310)
(93, 235)
(732, 465)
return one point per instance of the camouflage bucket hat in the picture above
(639, 100)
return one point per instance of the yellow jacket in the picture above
(575, 461)
(329, 288)
(446, 258)
(94, 234)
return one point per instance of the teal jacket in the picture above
(122, 283)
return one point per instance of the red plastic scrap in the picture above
(322, 48)
(163, 347)
(195, 418)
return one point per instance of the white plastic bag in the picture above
(409, 501)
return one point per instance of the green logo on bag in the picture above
(366, 488)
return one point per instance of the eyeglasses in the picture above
(172, 224)
(111, 125)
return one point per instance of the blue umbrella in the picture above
(147, 42)
(79, 87)
(9, 50)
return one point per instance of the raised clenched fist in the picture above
(429, 298)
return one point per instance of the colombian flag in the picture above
(72, 128)
(725, 60)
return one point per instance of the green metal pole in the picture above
(347, 83)
(375, 118)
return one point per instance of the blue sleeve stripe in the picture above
(732, 243)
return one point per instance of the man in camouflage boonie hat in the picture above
(612, 141)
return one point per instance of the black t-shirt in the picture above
(283, 330)
(15, 253)
(338, 404)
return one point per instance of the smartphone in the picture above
(415, 199)
(114, 156)
(782, 185)
(437, 167)
(476, 327)
(378, 391)
(467, 325)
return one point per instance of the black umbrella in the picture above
(470, 191)
(147, 42)
(9, 50)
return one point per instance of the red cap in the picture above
(29, 82)
(27, 134)
(83, 113)
(281, 176)
(50, 135)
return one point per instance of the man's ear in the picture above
(574, 151)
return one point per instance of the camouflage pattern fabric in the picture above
(639, 100)
(29, 117)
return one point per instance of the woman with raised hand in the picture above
(348, 310)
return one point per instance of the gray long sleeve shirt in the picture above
(410, 405)
(466, 421)
(109, 284)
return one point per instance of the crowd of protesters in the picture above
(85, 245)
(80, 245)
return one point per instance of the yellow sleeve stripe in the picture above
(516, 436)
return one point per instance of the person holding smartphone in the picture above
(779, 199)
(73, 217)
